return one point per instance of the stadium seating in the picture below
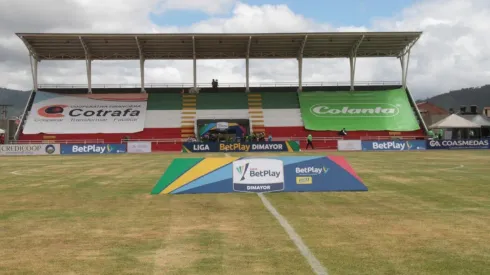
(172, 116)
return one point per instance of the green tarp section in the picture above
(387, 110)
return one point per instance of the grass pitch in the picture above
(424, 213)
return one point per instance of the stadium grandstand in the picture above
(168, 114)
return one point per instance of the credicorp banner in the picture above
(29, 149)
(258, 175)
(458, 144)
(204, 147)
(394, 145)
(75, 149)
(54, 113)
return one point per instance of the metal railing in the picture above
(178, 140)
(221, 85)
(57, 141)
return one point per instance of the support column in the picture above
(142, 64)
(34, 64)
(88, 62)
(194, 63)
(352, 62)
(247, 66)
(300, 64)
(247, 76)
(142, 72)
(404, 62)
(300, 74)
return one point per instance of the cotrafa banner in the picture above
(394, 145)
(54, 113)
(75, 149)
(203, 147)
(459, 144)
(29, 149)
(257, 175)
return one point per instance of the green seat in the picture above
(215, 101)
(164, 101)
(280, 100)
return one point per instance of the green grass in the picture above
(423, 214)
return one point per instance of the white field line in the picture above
(16, 173)
(451, 168)
(317, 267)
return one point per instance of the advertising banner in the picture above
(204, 147)
(29, 149)
(54, 113)
(349, 145)
(370, 111)
(459, 144)
(139, 147)
(258, 175)
(394, 145)
(74, 149)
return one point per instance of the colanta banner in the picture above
(29, 149)
(394, 145)
(459, 144)
(54, 113)
(75, 149)
(371, 111)
(258, 175)
(203, 147)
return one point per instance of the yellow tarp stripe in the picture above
(202, 168)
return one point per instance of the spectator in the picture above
(343, 132)
(2, 138)
(270, 138)
(309, 142)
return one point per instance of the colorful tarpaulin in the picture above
(369, 111)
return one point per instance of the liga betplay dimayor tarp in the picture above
(258, 174)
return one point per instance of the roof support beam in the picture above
(353, 61)
(300, 64)
(142, 64)
(409, 47)
(31, 50)
(247, 66)
(88, 63)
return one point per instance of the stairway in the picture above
(189, 103)
(256, 113)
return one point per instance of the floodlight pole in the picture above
(142, 64)
(300, 64)
(353, 61)
(247, 66)
(88, 63)
(194, 65)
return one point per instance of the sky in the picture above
(451, 54)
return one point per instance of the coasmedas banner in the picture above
(369, 111)
(54, 113)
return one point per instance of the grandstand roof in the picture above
(66, 46)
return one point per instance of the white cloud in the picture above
(208, 6)
(451, 54)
